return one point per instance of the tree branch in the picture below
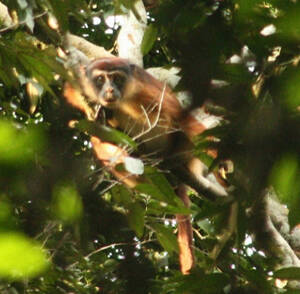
(131, 34)
(267, 214)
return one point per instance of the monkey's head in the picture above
(109, 78)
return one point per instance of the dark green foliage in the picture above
(88, 234)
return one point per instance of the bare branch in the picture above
(14, 26)
(152, 126)
(89, 49)
(103, 248)
(118, 244)
(266, 233)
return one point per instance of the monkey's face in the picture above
(109, 87)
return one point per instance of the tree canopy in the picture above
(68, 226)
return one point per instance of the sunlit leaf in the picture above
(67, 204)
(105, 133)
(18, 146)
(285, 177)
(20, 257)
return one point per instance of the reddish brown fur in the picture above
(74, 97)
(155, 92)
(191, 126)
(139, 95)
(141, 92)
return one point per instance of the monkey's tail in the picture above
(185, 235)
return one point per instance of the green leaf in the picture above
(127, 3)
(29, 18)
(153, 191)
(211, 283)
(67, 204)
(258, 279)
(292, 292)
(136, 217)
(7, 220)
(22, 3)
(289, 273)
(206, 226)
(160, 181)
(156, 207)
(18, 147)
(149, 39)
(60, 10)
(21, 257)
(38, 69)
(289, 25)
(209, 210)
(166, 237)
(285, 178)
(121, 195)
(105, 133)
(189, 19)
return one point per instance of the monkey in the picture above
(149, 112)
(120, 87)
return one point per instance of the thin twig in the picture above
(111, 246)
(113, 183)
(60, 244)
(118, 244)
(22, 22)
(169, 131)
(152, 126)
(147, 117)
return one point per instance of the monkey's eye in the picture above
(119, 81)
(99, 81)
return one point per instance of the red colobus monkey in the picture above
(147, 110)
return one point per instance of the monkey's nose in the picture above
(109, 95)
(110, 90)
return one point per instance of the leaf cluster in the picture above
(66, 226)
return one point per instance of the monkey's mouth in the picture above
(108, 99)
